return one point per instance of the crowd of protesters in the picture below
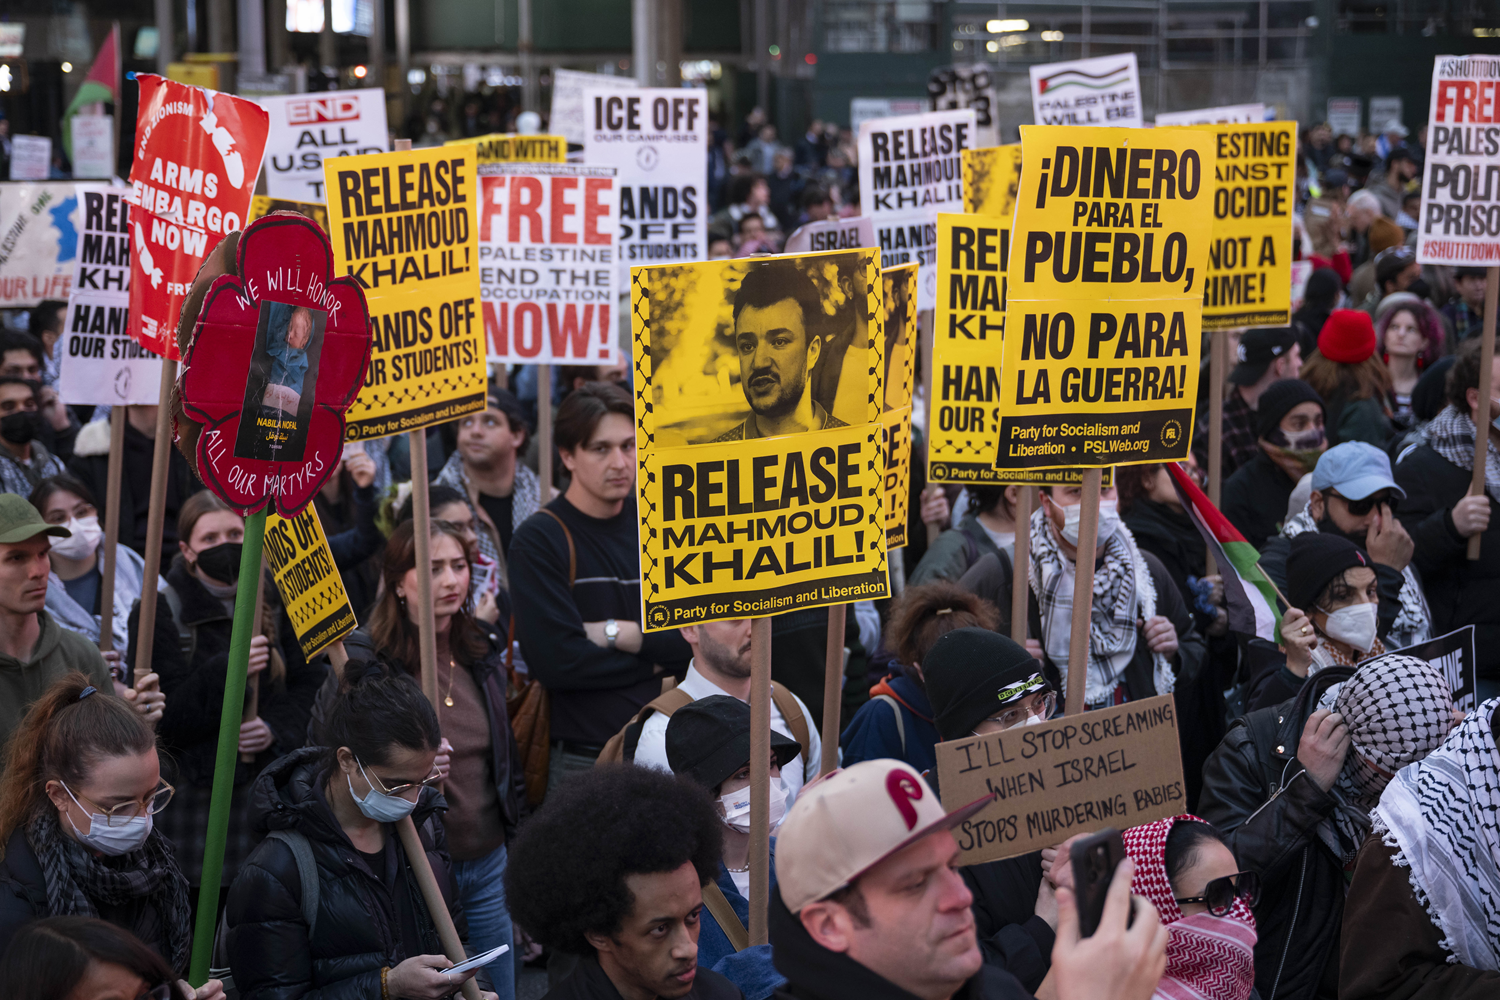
(581, 787)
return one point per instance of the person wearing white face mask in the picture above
(709, 742)
(82, 785)
(1334, 618)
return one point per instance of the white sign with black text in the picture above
(306, 129)
(1102, 91)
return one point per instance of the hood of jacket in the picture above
(285, 797)
(906, 691)
(46, 644)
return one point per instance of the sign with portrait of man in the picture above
(759, 432)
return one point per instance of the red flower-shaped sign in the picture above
(277, 356)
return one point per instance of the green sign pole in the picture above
(229, 744)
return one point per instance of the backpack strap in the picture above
(729, 922)
(900, 722)
(572, 549)
(307, 873)
(187, 635)
(791, 712)
(621, 746)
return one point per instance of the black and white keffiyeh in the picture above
(1398, 709)
(1123, 594)
(1451, 435)
(1413, 623)
(1442, 818)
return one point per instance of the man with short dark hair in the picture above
(612, 869)
(775, 310)
(23, 356)
(576, 585)
(1466, 312)
(46, 325)
(24, 461)
(1396, 268)
(1290, 436)
(1400, 170)
(502, 491)
(1265, 355)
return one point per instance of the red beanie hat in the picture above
(1348, 336)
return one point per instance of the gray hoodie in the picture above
(57, 652)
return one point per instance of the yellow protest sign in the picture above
(402, 225)
(1249, 280)
(900, 302)
(262, 206)
(991, 178)
(312, 591)
(758, 430)
(1110, 245)
(501, 147)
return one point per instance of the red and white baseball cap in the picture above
(851, 820)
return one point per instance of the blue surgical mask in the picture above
(125, 836)
(380, 806)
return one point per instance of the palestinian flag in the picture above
(101, 84)
(1249, 595)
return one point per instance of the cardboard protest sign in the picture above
(507, 148)
(1255, 169)
(38, 242)
(279, 350)
(1346, 113)
(306, 129)
(1102, 91)
(1111, 239)
(404, 226)
(102, 364)
(900, 303)
(1234, 114)
(1455, 654)
(657, 141)
(569, 117)
(30, 158)
(832, 234)
(312, 591)
(911, 168)
(262, 206)
(1460, 221)
(955, 87)
(93, 146)
(759, 435)
(197, 154)
(991, 178)
(1118, 767)
(548, 271)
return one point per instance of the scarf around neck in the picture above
(1451, 435)
(1123, 593)
(1441, 816)
(77, 881)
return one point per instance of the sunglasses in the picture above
(1359, 508)
(1220, 894)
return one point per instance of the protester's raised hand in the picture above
(260, 655)
(485, 608)
(361, 468)
(1057, 863)
(1046, 903)
(255, 736)
(1298, 640)
(1471, 515)
(444, 758)
(1161, 635)
(935, 509)
(211, 990)
(423, 978)
(1323, 747)
(146, 698)
(1118, 962)
(1386, 540)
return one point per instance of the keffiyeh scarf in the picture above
(76, 879)
(1413, 623)
(1123, 593)
(1398, 709)
(1451, 435)
(1442, 818)
(1208, 957)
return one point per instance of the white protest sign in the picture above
(549, 279)
(1101, 91)
(307, 128)
(1383, 111)
(1460, 221)
(832, 234)
(862, 109)
(657, 141)
(954, 87)
(93, 146)
(910, 169)
(1233, 114)
(1344, 115)
(30, 158)
(101, 364)
(38, 242)
(568, 118)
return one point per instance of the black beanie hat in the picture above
(1315, 559)
(968, 673)
(1278, 400)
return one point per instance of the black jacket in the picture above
(589, 982)
(360, 913)
(1011, 935)
(490, 678)
(815, 973)
(1257, 794)
(1255, 498)
(1459, 592)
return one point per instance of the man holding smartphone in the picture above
(869, 904)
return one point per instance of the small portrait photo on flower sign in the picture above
(283, 367)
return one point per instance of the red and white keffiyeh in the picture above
(1208, 957)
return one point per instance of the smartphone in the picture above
(478, 960)
(1094, 860)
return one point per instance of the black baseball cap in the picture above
(709, 739)
(1258, 348)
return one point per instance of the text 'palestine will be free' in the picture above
(1104, 306)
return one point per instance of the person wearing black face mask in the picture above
(24, 461)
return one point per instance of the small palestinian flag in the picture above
(1250, 597)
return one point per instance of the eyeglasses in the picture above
(120, 814)
(1220, 894)
(398, 789)
(1019, 713)
(1359, 508)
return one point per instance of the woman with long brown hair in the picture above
(1352, 380)
(478, 758)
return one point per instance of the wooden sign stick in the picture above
(1486, 392)
(1020, 580)
(544, 434)
(1083, 591)
(925, 335)
(1217, 360)
(833, 675)
(156, 518)
(760, 779)
(433, 897)
(111, 530)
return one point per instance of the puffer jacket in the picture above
(1257, 794)
(358, 927)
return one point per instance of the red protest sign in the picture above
(277, 356)
(197, 155)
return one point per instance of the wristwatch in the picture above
(611, 631)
